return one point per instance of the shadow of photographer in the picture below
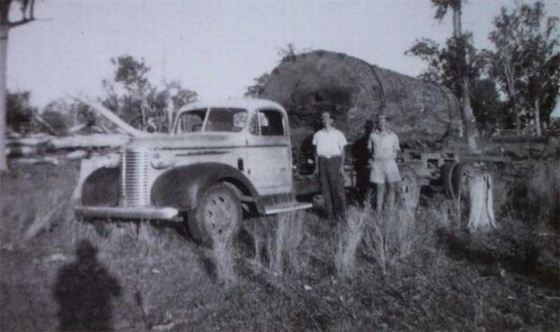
(84, 290)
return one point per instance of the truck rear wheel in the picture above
(217, 216)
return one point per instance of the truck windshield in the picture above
(226, 119)
(216, 120)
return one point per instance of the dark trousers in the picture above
(332, 186)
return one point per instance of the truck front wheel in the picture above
(217, 216)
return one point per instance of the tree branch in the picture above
(20, 22)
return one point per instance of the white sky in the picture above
(216, 47)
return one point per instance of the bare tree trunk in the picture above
(468, 118)
(467, 112)
(457, 29)
(4, 30)
(509, 73)
(538, 126)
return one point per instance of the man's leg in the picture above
(325, 186)
(393, 180)
(379, 197)
(339, 197)
(392, 195)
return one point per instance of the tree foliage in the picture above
(19, 111)
(132, 96)
(256, 89)
(457, 65)
(443, 63)
(525, 61)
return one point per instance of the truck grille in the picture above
(134, 174)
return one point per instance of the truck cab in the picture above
(219, 159)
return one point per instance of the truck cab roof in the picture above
(246, 103)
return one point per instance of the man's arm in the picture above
(370, 146)
(397, 145)
(314, 142)
(343, 143)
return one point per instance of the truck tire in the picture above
(409, 190)
(217, 216)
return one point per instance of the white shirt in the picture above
(329, 143)
(384, 144)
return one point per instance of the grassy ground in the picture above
(295, 272)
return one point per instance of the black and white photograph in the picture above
(279, 165)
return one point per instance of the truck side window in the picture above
(271, 122)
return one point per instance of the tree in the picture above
(455, 65)
(131, 96)
(27, 8)
(256, 89)
(19, 111)
(490, 112)
(525, 61)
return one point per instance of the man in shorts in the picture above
(329, 145)
(383, 146)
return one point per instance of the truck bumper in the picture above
(119, 212)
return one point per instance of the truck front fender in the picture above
(183, 186)
(98, 183)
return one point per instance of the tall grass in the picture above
(285, 253)
(386, 237)
(277, 243)
(349, 237)
(389, 237)
(223, 253)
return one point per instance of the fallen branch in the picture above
(47, 126)
(109, 115)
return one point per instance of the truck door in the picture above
(269, 153)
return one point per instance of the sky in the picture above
(217, 47)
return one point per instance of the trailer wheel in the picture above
(217, 216)
(409, 188)
(447, 174)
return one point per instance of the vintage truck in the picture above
(219, 160)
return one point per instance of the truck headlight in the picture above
(161, 159)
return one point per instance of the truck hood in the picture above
(185, 141)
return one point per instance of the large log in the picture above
(355, 91)
(89, 141)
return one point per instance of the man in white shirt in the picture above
(383, 145)
(329, 145)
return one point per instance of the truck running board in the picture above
(286, 207)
